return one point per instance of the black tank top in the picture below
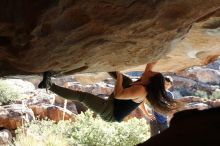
(122, 108)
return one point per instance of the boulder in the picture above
(5, 137)
(203, 75)
(23, 86)
(52, 112)
(215, 65)
(96, 89)
(14, 116)
(41, 96)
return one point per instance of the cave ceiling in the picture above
(81, 36)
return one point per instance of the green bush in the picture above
(8, 92)
(202, 94)
(215, 95)
(85, 131)
(44, 133)
(90, 131)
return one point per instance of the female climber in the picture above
(127, 95)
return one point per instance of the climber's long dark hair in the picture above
(157, 96)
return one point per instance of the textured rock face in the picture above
(13, 116)
(188, 82)
(54, 113)
(102, 35)
(5, 137)
(199, 47)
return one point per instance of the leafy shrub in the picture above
(43, 133)
(8, 92)
(215, 95)
(202, 94)
(85, 131)
(90, 131)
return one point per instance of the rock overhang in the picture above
(100, 35)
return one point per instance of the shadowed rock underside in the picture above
(102, 35)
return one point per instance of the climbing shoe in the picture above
(46, 82)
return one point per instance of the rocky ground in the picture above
(204, 78)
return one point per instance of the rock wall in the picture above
(205, 78)
(68, 36)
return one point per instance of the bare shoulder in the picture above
(133, 92)
(139, 89)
